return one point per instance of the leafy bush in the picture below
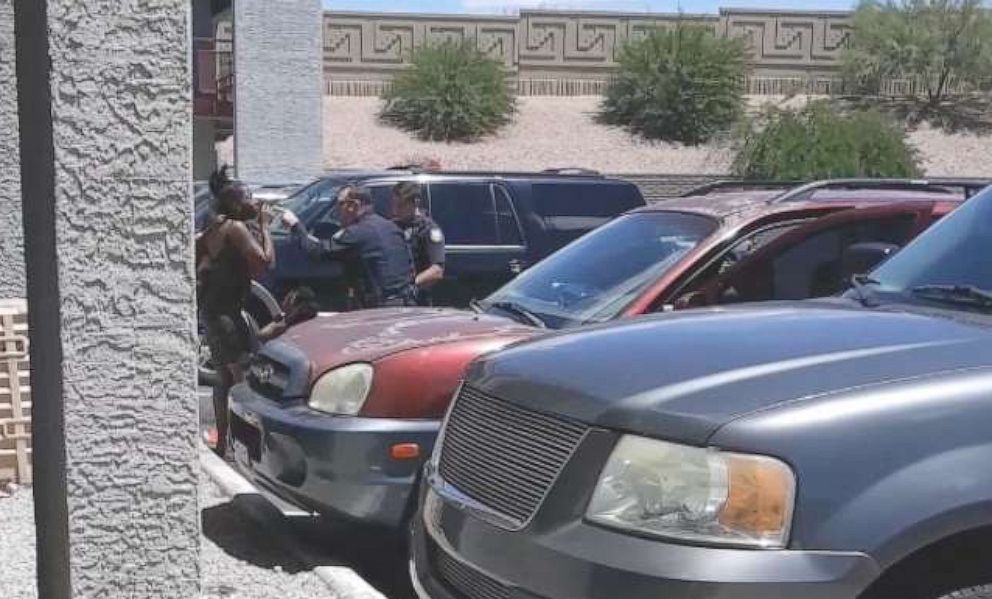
(820, 142)
(681, 84)
(934, 42)
(451, 92)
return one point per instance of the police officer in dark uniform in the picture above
(424, 236)
(369, 242)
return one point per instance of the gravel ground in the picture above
(553, 131)
(17, 564)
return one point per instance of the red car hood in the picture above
(335, 339)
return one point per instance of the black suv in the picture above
(495, 224)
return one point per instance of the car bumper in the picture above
(457, 556)
(334, 465)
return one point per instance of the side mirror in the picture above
(862, 258)
(326, 229)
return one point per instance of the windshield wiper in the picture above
(860, 284)
(476, 306)
(518, 310)
(968, 295)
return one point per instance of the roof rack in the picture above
(572, 170)
(739, 184)
(968, 187)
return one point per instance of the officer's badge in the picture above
(436, 235)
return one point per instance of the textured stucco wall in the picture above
(122, 135)
(11, 233)
(278, 88)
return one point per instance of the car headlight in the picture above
(343, 390)
(696, 495)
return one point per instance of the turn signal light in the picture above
(404, 451)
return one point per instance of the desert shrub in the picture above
(820, 142)
(451, 92)
(932, 42)
(679, 84)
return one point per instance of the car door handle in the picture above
(516, 266)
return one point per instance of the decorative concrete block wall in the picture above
(571, 53)
(11, 232)
(278, 89)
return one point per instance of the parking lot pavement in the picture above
(353, 563)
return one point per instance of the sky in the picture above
(511, 6)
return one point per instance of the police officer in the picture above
(369, 241)
(424, 236)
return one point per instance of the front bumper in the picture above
(458, 556)
(335, 465)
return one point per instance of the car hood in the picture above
(682, 376)
(331, 340)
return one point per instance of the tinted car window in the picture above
(596, 277)
(812, 267)
(506, 219)
(955, 251)
(381, 200)
(584, 199)
(465, 213)
(311, 202)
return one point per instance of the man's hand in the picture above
(289, 220)
(264, 216)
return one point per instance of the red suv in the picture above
(339, 415)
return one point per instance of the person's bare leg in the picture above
(227, 377)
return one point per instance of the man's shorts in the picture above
(230, 339)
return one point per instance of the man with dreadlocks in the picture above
(229, 254)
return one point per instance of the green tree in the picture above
(680, 84)
(934, 42)
(820, 142)
(451, 92)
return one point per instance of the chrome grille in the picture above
(268, 377)
(504, 456)
(465, 580)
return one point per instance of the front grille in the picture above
(504, 456)
(465, 580)
(268, 377)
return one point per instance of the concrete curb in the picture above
(341, 581)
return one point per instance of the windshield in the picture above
(311, 202)
(955, 252)
(595, 277)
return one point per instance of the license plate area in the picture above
(246, 440)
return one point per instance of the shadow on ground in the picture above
(378, 556)
(242, 538)
(959, 114)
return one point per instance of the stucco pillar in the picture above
(278, 54)
(11, 237)
(106, 153)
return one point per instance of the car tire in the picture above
(979, 592)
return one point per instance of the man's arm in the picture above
(317, 249)
(435, 253)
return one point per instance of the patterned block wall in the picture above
(567, 53)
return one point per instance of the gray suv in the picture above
(833, 448)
